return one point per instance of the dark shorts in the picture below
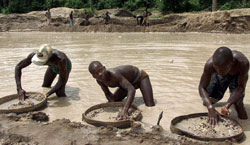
(219, 84)
(69, 66)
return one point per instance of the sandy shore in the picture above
(233, 21)
(27, 129)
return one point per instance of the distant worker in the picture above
(48, 16)
(87, 16)
(71, 19)
(106, 18)
(145, 17)
(57, 62)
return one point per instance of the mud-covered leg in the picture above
(147, 92)
(61, 91)
(240, 109)
(48, 77)
(120, 94)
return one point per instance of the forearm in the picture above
(18, 74)
(131, 95)
(18, 69)
(204, 96)
(235, 96)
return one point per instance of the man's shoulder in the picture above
(115, 72)
(209, 62)
(55, 51)
(240, 58)
(58, 54)
(209, 65)
(239, 55)
(112, 71)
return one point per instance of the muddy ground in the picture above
(34, 128)
(233, 21)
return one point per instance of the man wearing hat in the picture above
(58, 63)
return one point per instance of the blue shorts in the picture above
(218, 85)
(71, 22)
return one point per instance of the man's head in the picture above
(223, 60)
(97, 70)
(42, 54)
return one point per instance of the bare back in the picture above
(129, 72)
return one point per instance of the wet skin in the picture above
(57, 60)
(122, 77)
(239, 66)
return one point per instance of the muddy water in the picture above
(174, 62)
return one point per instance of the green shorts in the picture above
(69, 66)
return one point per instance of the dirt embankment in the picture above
(234, 21)
(33, 129)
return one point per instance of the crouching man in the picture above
(57, 62)
(127, 78)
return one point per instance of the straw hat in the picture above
(42, 54)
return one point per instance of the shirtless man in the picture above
(58, 63)
(106, 18)
(127, 78)
(224, 69)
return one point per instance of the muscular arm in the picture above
(63, 76)
(240, 90)
(204, 82)
(106, 91)
(18, 70)
(213, 115)
(126, 85)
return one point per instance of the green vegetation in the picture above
(166, 6)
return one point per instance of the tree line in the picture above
(165, 6)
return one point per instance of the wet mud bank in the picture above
(27, 128)
(233, 21)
